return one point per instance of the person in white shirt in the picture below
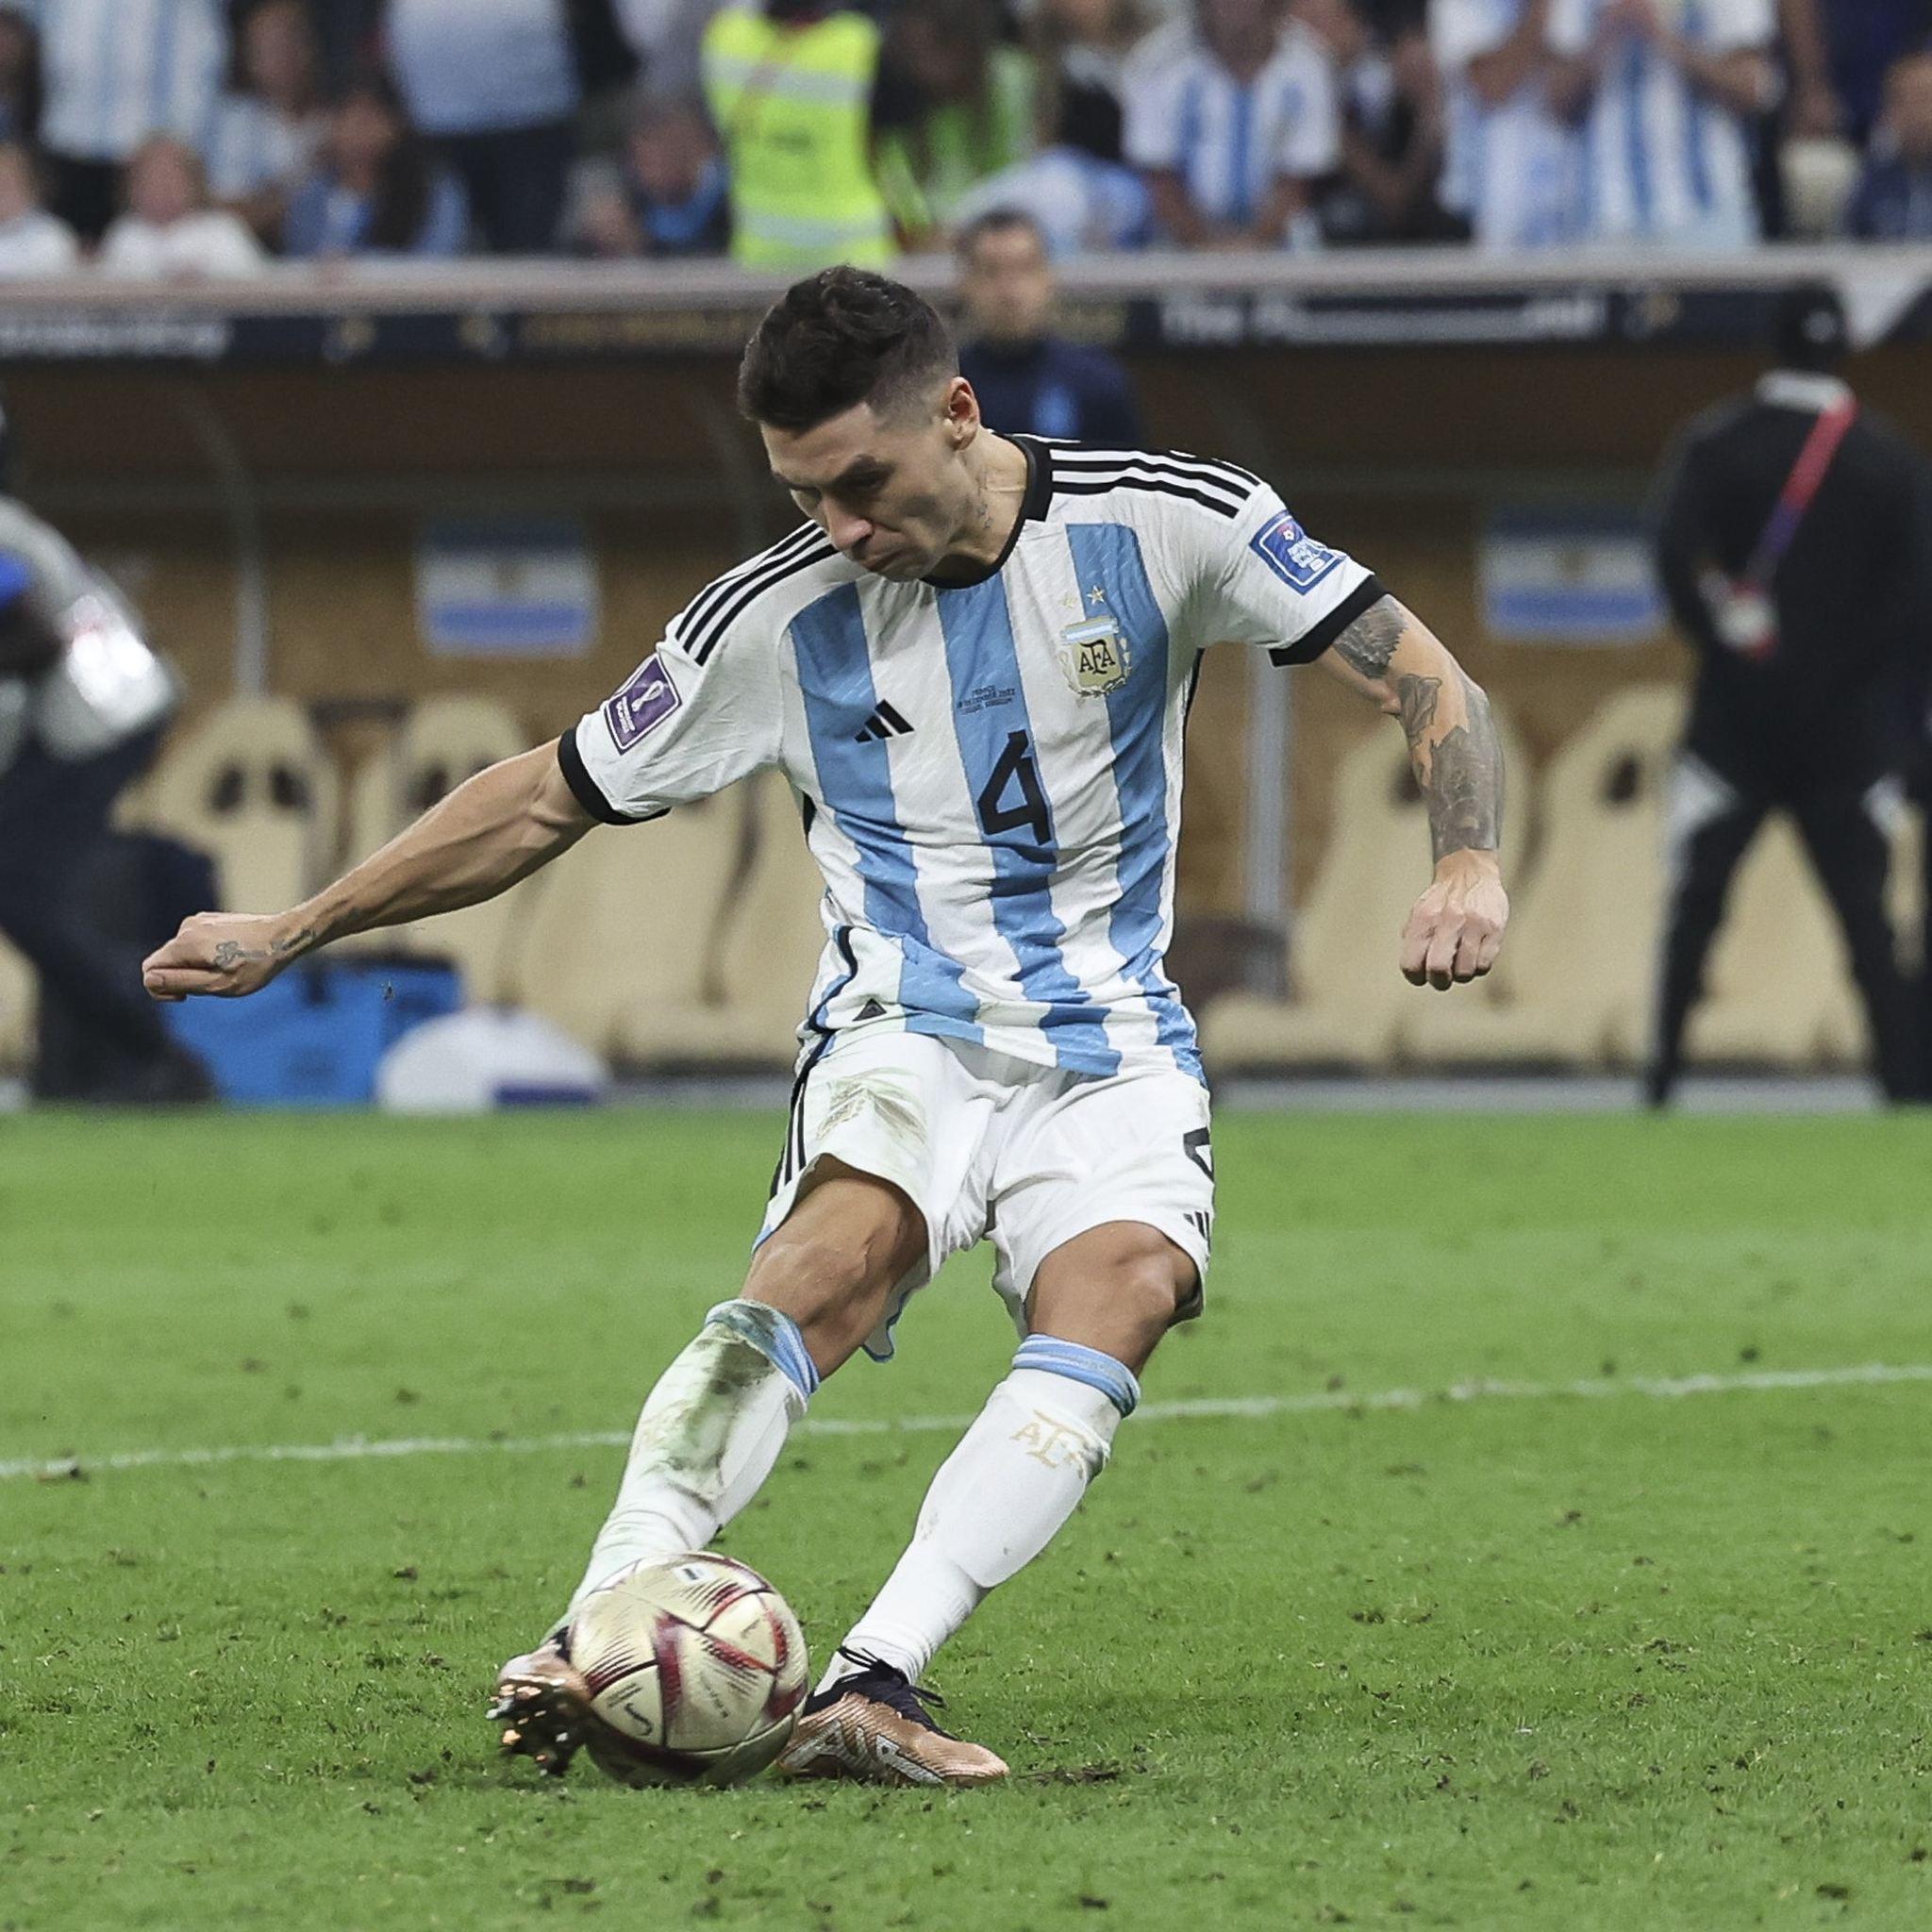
(493, 83)
(268, 126)
(115, 71)
(169, 229)
(1231, 117)
(32, 241)
(1511, 167)
(1663, 91)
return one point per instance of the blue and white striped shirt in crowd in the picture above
(989, 770)
(252, 148)
(482, 66)
(117, 70)
(1661, 161)
(1511, 169)
(323, 218)
(1230, 142)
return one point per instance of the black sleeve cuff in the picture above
(1311, 646)
(584, 787)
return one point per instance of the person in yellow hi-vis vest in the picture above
(790, 85)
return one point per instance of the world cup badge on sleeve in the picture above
(1094, 656)
(648, 700)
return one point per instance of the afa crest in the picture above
(1094, 656)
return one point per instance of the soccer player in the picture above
(973, 662)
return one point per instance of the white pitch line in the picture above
(361, 1449)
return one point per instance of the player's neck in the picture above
(998, 472)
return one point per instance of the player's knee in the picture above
(1154, 1287)
(1118, 1289)
(808, 1270)
(834, 1261)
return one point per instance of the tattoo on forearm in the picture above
(1458, 763)
(1460, 772)
(1417, 695)
(1370, 642)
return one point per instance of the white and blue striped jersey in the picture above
(990, 771)
(252, 148)
(1230, 142)
(117, 70)
(1661, 161)
(1511, 167)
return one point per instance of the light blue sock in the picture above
(1079, 1363)
(775, 1335)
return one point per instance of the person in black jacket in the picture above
(1028, 380)
(1791, 546)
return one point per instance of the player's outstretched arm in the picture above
(488, 834)
(1387, 654)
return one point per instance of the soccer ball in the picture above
(696, 1668)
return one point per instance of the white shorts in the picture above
(983, 1143)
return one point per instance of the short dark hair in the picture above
(840, 338)
(997, 221)
(1809, 329)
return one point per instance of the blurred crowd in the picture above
(179, 138)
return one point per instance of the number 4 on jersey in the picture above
(1016, 770)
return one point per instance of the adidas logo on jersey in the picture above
(884, 723)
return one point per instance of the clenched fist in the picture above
(226, 954)
(1456, 931)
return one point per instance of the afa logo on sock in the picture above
(1291, 554)
(1051, 1443)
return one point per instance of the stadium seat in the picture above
(1582, 942)
(620, 947)
(766, 951)
(443, 742)
(252, 786)
(1348, 1000)
(18, 999)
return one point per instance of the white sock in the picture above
(997, 1501)
(710, 1433)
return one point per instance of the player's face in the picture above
(892, 491)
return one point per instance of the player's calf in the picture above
(997, 1501)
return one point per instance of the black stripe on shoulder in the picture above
(1213, 469)
(1234, 495)
(1103, 486)
(703, 638)
(1310, 644)
(699, 612)
(719, 588)
(1226, 468)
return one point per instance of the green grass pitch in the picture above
(1528, 1660)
